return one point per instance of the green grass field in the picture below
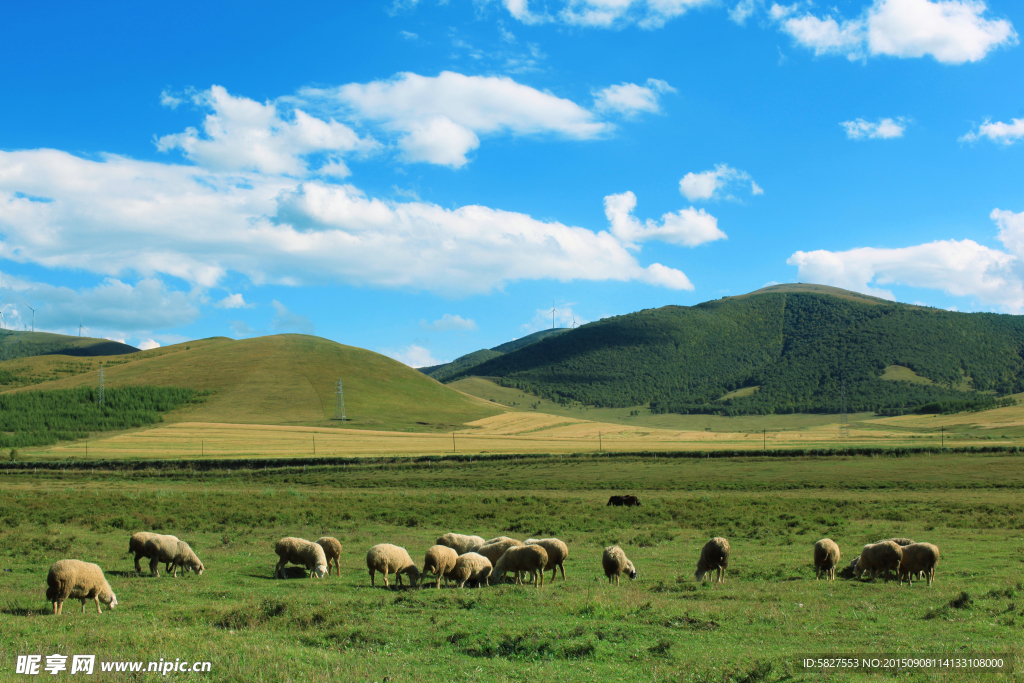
(661, 627)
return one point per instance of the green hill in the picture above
(805, 347)
(25, 344)
(281, 379)
(463, 364)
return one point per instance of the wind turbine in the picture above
(574, 322)
(33, 317)
(2, 321)
(80, 328)
(553, 309)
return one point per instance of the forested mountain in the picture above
(805, 349)
(14, 344)
(446, 371)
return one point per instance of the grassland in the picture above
(282, 379)
(660, 627)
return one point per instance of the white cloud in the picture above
(243, 135)
(1004, 133)
(287, 321)
(414, 356)
(439, 119)
(689, 227)
(951, 31)
(169, 99)
(956, 267)
(743, 10)
(629, 99)
(710, 184)
(408, 35)
(883, 129)
(109, 306)
(648, 14)
(232, 301)
(448, 322)
(148, 344)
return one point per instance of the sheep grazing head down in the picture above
(320, 571)
(414, 576)
(631, 570)
(108, 598)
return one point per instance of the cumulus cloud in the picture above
(1003, 133)
(710, 184)
(110, 306)
(950, 31)
(414, 355)
(118, 216)
(449, 322)
(440, 119)
(630, 99)
(956, 267)
(688, 227)
(232, 301)
(240, 134)
(148, 344)
(883, 129)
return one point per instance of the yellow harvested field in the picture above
(511, 432)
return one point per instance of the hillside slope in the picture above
(15, 344)
(802, 349)
(281, 379)
(464, 364)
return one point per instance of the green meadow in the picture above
(660, 627)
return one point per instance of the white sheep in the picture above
(137, 545)
(713, 556)
(332, 552)
(174, 552)
(76, 579)
(527, 558)
(826, 558)
(616, 564)
(496, 547)
(460, 542)
(877, 558)
(471, 567)
(300, 551)
(439, 560)
(919, 558)
(558, 553)
(391, 559)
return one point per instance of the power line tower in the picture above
(99, 394)
(844, 421)
(339, 403)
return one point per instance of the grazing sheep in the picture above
(332, 552)
(528, 558)
(77, 579)
(137, 545)
(440, 560)
(713, 556)
(174, 553)
(471, 567)
(496, 547)
(919, 558)
(151, 548)
(300, 551)
(558, 553)
(390, 559)
(460, 542)
(628, 501)
(826, 558)
(616, 564)
(878, 558)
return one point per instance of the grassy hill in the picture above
(463, 364)
(281, 379)
(806, 348)
(24, 344)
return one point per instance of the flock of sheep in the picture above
(467, 559)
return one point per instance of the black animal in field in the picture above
(628, 501)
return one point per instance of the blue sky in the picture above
(425, 179)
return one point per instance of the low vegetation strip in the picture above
(39, 418)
